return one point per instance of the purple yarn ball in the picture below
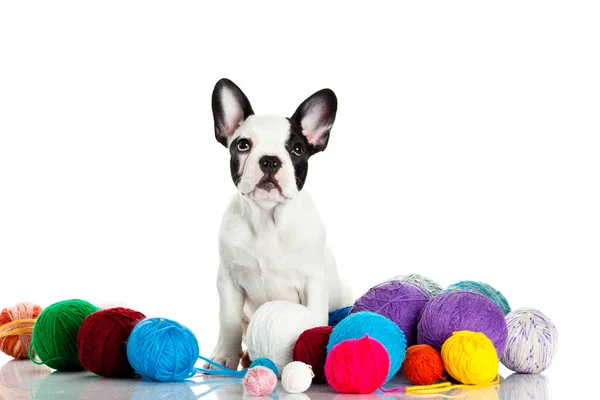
(399, 301)
(462, 311)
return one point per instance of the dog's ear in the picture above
(315, 117)
(230, 108)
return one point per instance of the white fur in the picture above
(272, 245)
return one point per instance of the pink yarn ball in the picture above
(260, 381)
(357, 366)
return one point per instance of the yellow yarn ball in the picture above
(470, 357)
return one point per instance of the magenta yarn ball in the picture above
(461, 311)
(399, 301)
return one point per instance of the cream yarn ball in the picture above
(297, 377)
(274, 330)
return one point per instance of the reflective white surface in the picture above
(25, 380)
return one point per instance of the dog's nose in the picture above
(269, 164)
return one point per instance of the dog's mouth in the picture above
(268, 183)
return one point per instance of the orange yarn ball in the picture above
(422, 365)
(16, 325)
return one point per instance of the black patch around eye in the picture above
(234, 163)
(300, 163)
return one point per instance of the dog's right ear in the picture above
(230, 108)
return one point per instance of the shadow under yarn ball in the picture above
(461, 311)
(399, 301)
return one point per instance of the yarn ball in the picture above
(429, 286)
(274, 330)
(54, 338)
(461, 311)
(378, 327)
(532, 341)
(484, 289)
(470, 357)
(297, 377)
(525, 386)
(357, 366)
(102, 341)
(260, 381)
(162, 350)
(422, 365)
(265, 362)
(311, 348)
(16, 325)
(399, 301)
(337, 315)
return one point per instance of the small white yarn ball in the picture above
(531, 343)
(274, 330)
(297, 377)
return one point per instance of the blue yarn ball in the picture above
(162, 350)
(265, 362)
(337, 315)
(484, 289)
(356, 326)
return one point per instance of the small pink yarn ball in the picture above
(260, 381)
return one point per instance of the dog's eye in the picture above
(298, 150)
(243, 145)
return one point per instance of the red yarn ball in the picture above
(357, 366)
(422, 365)
(102, 341)
(311, 349)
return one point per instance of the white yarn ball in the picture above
(531, 343)
(297, 377)
(274, 330)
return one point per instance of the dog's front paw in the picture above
(227, 357)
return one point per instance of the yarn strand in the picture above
(444, 387)
(5, 330)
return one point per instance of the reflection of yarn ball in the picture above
(311, 348)
(525, 386)
(422, 365)
(55, 333)
(296, 377)
(337, 315)
(532, 341)
(260, 381)
(15, 330)
(265, 362)
(274, 329)
(357, 366)
(378, 327)
(398, 301)
(485, 290)
(429, 286)
(470, 357)
(162, 350)
(102, 341)
(461, 311)
(60, 385)
(16, 377)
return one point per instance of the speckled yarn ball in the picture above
(532, 341)
(461, 311)
(431, 287)
(377, 327)
(484, 289)
(260, 381)
(274, 330)
(399, 301)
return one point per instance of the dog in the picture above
(272, 241)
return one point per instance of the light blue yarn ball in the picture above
(265, 362)
(356, 326)
(484, 289)
(162, 350)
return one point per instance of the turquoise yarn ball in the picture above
(162, 350)
(356, 326)
(265, 362)
(484, 289)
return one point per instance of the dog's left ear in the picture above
(230, 108)
(315, 116)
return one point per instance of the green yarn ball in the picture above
(54, 338)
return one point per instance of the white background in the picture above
(466, 147)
